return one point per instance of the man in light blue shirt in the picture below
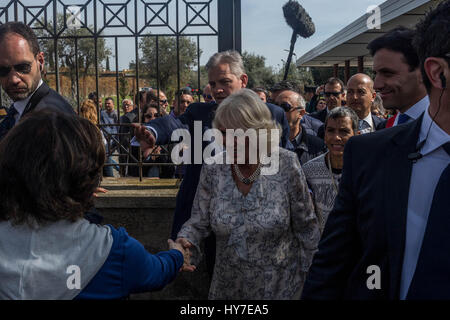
(388, 235)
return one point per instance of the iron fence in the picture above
(62, 24)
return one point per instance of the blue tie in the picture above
(8, 122)
(402, 118)
(432, 275)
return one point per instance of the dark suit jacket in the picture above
(320, 115)
(198, 112)
(43, 98)
(309, 147)
(367, 225)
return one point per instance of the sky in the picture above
(265, 31)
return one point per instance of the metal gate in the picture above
(81, 40)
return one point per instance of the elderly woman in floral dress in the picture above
(264, 222)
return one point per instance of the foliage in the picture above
(259, 75)
(67, 54)
(167, 61)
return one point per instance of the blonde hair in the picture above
(245, 110)
(88, 110)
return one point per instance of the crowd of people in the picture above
(357, 206)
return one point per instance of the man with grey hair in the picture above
(306, 145)
(226, 75)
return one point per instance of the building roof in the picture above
(352, 41)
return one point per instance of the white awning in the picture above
(351, 42)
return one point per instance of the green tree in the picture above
(123, 88)
(299, 76)
(259, 75)
(167, 61)
(67, 54)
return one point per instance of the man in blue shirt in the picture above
(388, 236)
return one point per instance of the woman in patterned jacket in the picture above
(258, 206)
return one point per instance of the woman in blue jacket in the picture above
(50, 166)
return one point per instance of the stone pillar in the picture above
(360, 64)
(347, 71)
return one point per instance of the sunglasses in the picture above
(151, 115)
(287, 107)
(207, 96)
(22, 68)
(335, 94)
(163, 101)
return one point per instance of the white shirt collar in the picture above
(369, 120)
(21, 104)
(436, 136)
(416, 110)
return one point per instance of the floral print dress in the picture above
(265, 240)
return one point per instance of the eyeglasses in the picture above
(335, 94)
(151, 115)
(22, 68)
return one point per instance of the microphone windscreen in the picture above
(298, 19)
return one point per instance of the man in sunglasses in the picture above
(334, 96)
(207, 95)
(21, 64)
(306, 146)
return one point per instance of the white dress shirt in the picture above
(424, 178)
(369, 121)
(416, 110)
(21, 104)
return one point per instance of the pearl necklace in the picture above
(250, 179)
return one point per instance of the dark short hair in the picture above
(109, 98)
(185, 90)
(93, 96)
(261, 89)
(24, 31)
(334, 81)
(398, 39)
(342, 112)
(283, 85)
(432, 37)
(51, 164)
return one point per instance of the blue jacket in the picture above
(200, 112)
(129, 268)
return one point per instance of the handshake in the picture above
(183, 245)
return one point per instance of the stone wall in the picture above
(145, 209)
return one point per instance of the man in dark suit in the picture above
(226, 75)
(334, 96)
(21, 64)
(388, 236)
(360, 96)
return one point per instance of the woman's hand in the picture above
(183, 245)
